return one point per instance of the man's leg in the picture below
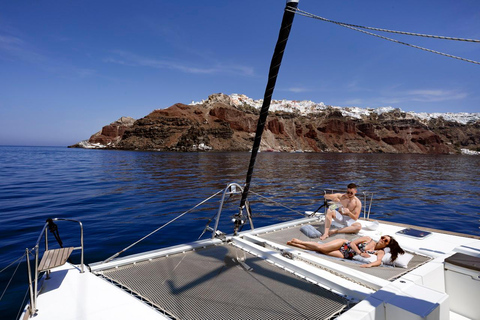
(354, 228)
(328, 222)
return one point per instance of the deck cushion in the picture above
(401, 261)
(310, 231)
(361, 259)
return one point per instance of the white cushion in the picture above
(361, 259)
(370, 225)
(401, 261)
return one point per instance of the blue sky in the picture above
(67, 68)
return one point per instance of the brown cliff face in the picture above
(219, 126)
(182, 127)
(112, 134)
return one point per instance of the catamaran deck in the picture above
(255, 275)
(212, 283)
(209, 283)
(384, 272)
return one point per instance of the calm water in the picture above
(121, 196)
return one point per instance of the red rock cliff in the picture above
(217, 124)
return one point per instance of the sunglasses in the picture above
(349, 192)
(385, 239)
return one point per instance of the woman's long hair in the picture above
(395, 249)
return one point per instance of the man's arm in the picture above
(333, 196)
(355, 214)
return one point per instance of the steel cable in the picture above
(161, 227)
(358, 28)
(310, 15)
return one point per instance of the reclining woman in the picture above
(363, 246)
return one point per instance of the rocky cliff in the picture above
(228, 123)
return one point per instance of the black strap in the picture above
(54, 230)
(323, 205)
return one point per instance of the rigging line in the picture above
(13, 263)
(11, 278)
(161, 227)
(310, 15)
(23, 303)
(414, 46)
(277, 203)
(408, 44)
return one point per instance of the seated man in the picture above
(346, 214)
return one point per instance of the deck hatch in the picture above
(207, 284)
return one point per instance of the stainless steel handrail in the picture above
(230, 189)
(366, 202)
(33, 287)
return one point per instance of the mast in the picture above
(287, 22)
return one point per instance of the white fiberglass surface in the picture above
(70, 294)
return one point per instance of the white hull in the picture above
(434, 290)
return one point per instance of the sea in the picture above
(121, 196)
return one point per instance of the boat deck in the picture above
(383, 272)
(257, 275)
(70, 294)
(209, 283)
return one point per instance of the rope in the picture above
(161, 227)
(13, 275)
(309, 15)
(356, 28)
(23, 303)
(54, 230)
(277, 203)
(13, 263)
(11, 278)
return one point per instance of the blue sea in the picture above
(120, 196)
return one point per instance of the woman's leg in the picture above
(325, 248)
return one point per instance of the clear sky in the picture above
(67, 68)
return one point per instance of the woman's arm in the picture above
(354, 244)
(380, 254)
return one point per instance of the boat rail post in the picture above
(46, 241)
(82, 267)
(36, 277)
(365, 206)
(81, 244)
(370, 205)
(232, 190)
(30, 284)
(46, 249)
(366, 213)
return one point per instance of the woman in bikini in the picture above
(363, 246)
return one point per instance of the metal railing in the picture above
(232, 188)
(367, 200)
(33, 283)
(229, 190)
